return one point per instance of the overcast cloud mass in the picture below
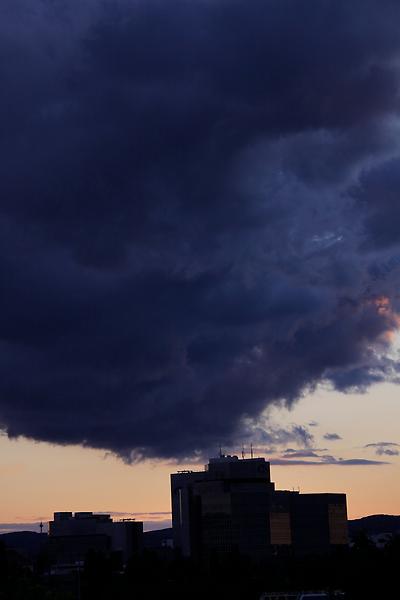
(199, 214)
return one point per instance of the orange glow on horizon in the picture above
(38, 479)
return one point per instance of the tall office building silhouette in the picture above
(232, 507)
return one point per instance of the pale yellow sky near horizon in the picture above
(37, 479)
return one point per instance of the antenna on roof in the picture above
(243, 453)
(251, 450)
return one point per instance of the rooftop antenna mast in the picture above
(243, 453)
(251, 450)
(41, 527)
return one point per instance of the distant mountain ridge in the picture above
(29, 543)
(375, 525)
(157, 538)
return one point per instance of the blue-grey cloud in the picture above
(385, 448)
(303, 454)
(387, 452)
(327, 460)
(381, 444)
(332, 437)
(265, 438)
(291, 451)
(197, 216)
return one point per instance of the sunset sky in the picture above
(199, 246)
(39, 479)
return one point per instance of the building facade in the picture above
(72, 536)
(232, 507)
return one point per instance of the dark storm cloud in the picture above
(379, 191)
(197, 215)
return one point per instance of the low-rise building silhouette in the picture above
(73, 536)
(232, 507)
